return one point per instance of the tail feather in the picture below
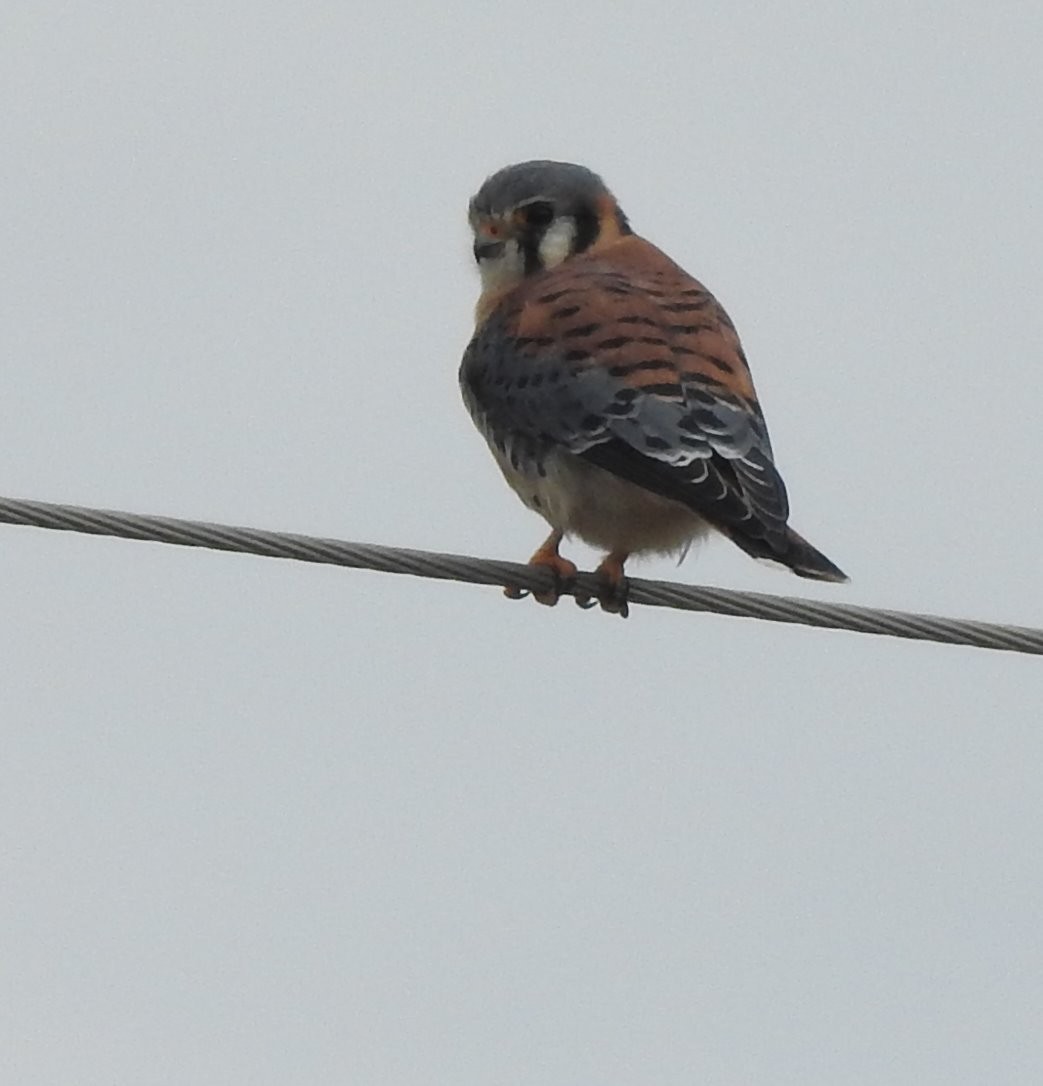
(794, 552)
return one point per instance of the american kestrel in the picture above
(612, 387)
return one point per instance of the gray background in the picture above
(264, 822)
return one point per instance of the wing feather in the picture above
(620, 357)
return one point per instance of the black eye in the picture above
(540, 213)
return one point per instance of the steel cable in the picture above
(455, 567)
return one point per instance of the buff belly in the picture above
(603, 510)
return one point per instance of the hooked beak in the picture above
(485, 249)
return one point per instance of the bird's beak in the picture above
(487, 248)
(490, 236)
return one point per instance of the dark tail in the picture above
(794, 551)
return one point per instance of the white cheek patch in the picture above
(556, 243)
(502, 271)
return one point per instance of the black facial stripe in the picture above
(530, 239)
(530, 247)
(586, 229)
(539, 213)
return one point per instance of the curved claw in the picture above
(612, 583)
(561, 569)
(563, 576)
(614, 600)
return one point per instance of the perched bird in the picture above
(612, 387)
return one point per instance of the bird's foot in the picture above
(562, 570)
(613, 587)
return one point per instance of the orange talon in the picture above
(547, 557)
(613, 597)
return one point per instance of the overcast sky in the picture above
(272, 823)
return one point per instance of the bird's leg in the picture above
(614, 586)
(547, 556)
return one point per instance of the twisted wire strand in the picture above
(456, 567)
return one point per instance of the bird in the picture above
(612, 387)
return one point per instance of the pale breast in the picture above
(603, 510)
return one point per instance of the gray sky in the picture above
(262, 822)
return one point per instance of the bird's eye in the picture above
(540, 213)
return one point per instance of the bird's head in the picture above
(532, 216)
